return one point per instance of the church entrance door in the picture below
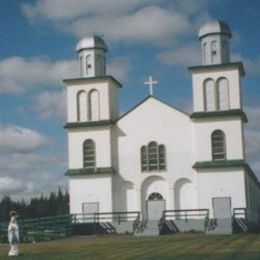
(155, 206)
(88, 210)
(222, 208)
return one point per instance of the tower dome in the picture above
(92, 60)
(214, 27)
(94, 42)
(214, 37)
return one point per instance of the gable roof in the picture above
(145, 100)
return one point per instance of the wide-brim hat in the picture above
(13, 213)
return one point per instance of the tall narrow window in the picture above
(218, 145)
(89, 154)
(209, 95)
(82, 106)
(223, 94)
(144, 158)
(88, 65)
(153, 157)
(162, 158)
(214, 52)
(94, 113)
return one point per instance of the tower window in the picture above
(222, 94)
(94, 105)
(214, 52)
(89, 154)
(216, 94)
(88, 64)
(218, 145)
(82, 106)
(153, 157)
(209, 95)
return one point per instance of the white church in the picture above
(155, 157)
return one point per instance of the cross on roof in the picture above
(151, 82)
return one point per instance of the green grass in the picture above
(180, 246)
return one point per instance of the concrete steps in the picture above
(148, 228)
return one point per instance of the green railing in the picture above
(240, 213)
(39, 229)
(118, 217)
(185, 214)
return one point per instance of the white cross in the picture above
(151, 82)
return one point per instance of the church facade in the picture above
(155, 157)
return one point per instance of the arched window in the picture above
(218, 145)
(153, 157)
(144, 159)
(88, 64)
(82, 106)
(89, 154)
(155, 196)
(94, 106)
(213, 51)
(223, 94)
(209, 95)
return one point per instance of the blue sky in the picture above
(145, 37)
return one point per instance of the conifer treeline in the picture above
(43, 206)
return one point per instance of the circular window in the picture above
(155, 196)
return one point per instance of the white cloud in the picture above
(18, 139)
(252, 66)
(51, 104)
(119, 68)
(153, 24)
(68, 10)
(150, 21)
(18, 74)
(9, 186)
(187, 55)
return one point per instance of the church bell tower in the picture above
(92, 110)
(217, 98)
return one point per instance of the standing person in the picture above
(13, 234)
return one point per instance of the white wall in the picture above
(102, 141)
(215, 183)
(233, 130)
(90, 189)
(155, 121)
(107, 94)
(234, 87)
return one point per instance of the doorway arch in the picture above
(154, 196)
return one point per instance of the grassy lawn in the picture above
(180, 246)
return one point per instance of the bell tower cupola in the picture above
(214, 37)
(91, 52)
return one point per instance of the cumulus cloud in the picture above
(51, 104)
(19, 75)
(146, 21)
(9, 186)
(19, 139)
(187, 55)
(68, 10)
(28, 164)
(120, 68)
(252, 65)
(141, 26)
